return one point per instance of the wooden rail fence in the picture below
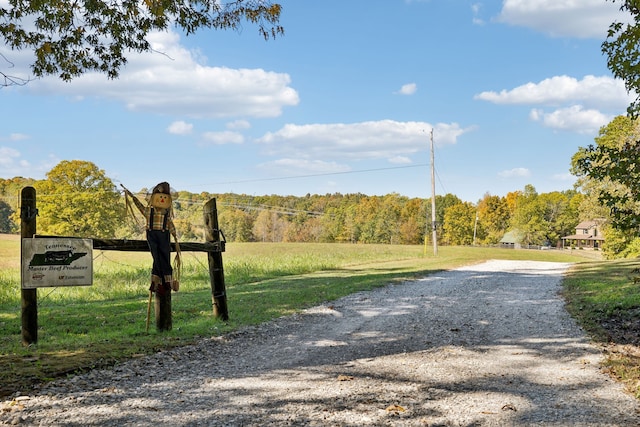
(214, 246)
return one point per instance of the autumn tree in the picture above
(413, 219)
(10, 190)
(560, 216)
(70, 38)
(339, 224)
(6, 224)
(610, 171)
(269, 227)
(529, 217)
(493, 218)
(442, 203)
(387, 219)
(236, 224)
(365, 216)
(333, 224)
(621, 164)
(78, 199)
(607, 174)
(303, 228)
(459, 221)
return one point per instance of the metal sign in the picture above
(63, 261)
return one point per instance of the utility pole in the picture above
(433, 205)
(475, 228)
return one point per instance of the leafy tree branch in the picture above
(70, 38)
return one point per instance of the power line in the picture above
(312, 175)
(263, 179)
(246, 207)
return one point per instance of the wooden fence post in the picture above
(29, 297)
(216, 271)
(163, 311)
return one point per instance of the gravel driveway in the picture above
(485, 345)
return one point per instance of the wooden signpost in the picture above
(29, 297)
(214, 246)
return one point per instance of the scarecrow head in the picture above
(161, 196)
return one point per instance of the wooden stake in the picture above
(149, 309)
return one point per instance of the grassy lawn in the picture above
(86, 327)
(604, 299)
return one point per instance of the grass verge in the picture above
(604, 298)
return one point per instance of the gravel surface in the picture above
(485, 345)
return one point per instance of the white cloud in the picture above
(12, 164)
(176, 83)
(221, 138)
(385, 139)
(180, 128)
(564, 177)
(581, 106)
(15, 137)
(602, 91)
(515, 173)
(238, 125)
(476, 9)
(408, 89)
(574, 118)
(400, 160)
(18, 137)
(8, 156)
(563, 18)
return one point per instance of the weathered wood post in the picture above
(216, 271)
(29, 297)
(163, 311)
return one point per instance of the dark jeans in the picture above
(160, 247)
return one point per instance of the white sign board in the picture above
(54, 261)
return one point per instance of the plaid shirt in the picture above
(157, 222)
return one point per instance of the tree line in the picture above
(78, 199)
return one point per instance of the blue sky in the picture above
(344, 102)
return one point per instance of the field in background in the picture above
(86, 327)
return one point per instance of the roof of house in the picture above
(513, 236)
(587, 224)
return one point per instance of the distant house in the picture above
(512, 239)
(588, 236)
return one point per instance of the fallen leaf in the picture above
(395, 408)
(345, 378)
(509, 407)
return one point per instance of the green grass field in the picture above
(84, 327)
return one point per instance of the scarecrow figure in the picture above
(158, 214)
